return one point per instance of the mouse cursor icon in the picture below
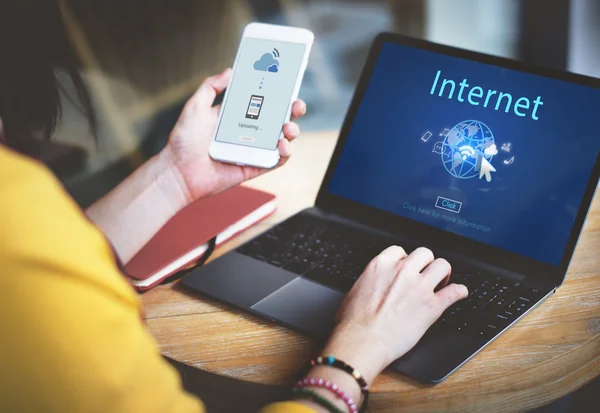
(486, 169)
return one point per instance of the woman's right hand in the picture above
(390, 307)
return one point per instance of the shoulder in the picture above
(43, 227)
(72, 320)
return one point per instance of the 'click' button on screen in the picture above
(448, 204)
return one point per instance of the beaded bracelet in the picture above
(317, 398)
(339, 364)
(334, 388)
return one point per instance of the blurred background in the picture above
(143, 58)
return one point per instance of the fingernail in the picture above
(464, 290)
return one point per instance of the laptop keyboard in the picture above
(326, 252)
(336, 255)
(493, 303)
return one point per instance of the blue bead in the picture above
(331, 360)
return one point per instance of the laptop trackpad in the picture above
(304, 305)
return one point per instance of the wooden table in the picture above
(550, 353)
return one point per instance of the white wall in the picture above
(488, 26)
(584, 37)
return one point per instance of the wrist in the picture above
(136, 209)
(356, 353)
(174, 183)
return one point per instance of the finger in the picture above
(451, 294)
(419, 258)
(251, 172)
(384, 267)
(380, 273)
(291, 130)
(285, 150)
(211, 87)
(395, 253)
(298, 109)
(215, 110)
(436, 272)
(442, 283)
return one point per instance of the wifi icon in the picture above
(275, 53)
(466, 151)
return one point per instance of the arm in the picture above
(135, 210)
(73, 336)
(181, 173)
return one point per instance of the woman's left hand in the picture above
(190, 139)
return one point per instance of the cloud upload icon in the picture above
(267, 63)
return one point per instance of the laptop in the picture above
(489, 162)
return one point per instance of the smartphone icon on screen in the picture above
(254, 106)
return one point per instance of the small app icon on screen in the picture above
(254, 106)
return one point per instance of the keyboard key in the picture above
(300, 266)
(276, 261)
(509, 314)
(497, 304)
(453, 311)
(519, 305)
(486, 330)
(467, 326)
(503, 318)
(531, 294)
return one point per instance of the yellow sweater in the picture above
(72, 335)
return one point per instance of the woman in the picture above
(73, 337)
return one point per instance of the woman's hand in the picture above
(384, 315)
(181, 173)
(390, 307)
(187, 148)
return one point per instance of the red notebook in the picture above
(184, 239)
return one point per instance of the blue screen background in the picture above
(529, 206)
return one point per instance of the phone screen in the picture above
(254, 107)
(260, 92)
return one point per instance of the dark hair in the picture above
(34, 48)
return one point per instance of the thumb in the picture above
(451, 294)
(211, 87)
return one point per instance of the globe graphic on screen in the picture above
(463, 147)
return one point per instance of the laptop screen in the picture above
(496, 155)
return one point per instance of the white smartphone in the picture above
(267, 74)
